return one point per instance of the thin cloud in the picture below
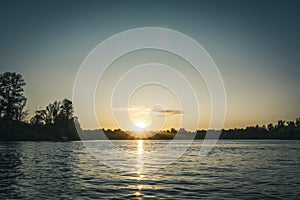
(168, 112)
(144, 110)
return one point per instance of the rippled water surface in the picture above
(234, 169)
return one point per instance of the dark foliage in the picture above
(55, 123)
(12, 99)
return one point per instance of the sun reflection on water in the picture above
(140, 148)
(139, 166)
(139, 158)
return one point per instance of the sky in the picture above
(255, 45)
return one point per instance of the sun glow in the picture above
(141, 124)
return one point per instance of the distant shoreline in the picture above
(11, 141)
(68, 130)
(252, 133)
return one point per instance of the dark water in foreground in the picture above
(233, 170)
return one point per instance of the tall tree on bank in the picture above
(56, 113)
(12, 99)
(57, 120)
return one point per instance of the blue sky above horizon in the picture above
(255, 45)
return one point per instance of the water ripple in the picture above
(233, 170)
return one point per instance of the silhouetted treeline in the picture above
(57, 122)
(289, 130)
(282, 130)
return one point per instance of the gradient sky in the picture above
(255, 45)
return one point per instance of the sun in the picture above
(141, 124)
(141, 121)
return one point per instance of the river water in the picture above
(234, 169)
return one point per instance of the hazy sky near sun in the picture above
(255, 45)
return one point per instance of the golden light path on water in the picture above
(140, 149)
(140, 164)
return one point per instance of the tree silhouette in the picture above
(66, 110)
(52, 112)
(12, 99)
(173, 130)
(298, 122)
(56, 120)
(291, 124)
(280, 124)
(56, 113)
(270, 127)
(39, 118)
